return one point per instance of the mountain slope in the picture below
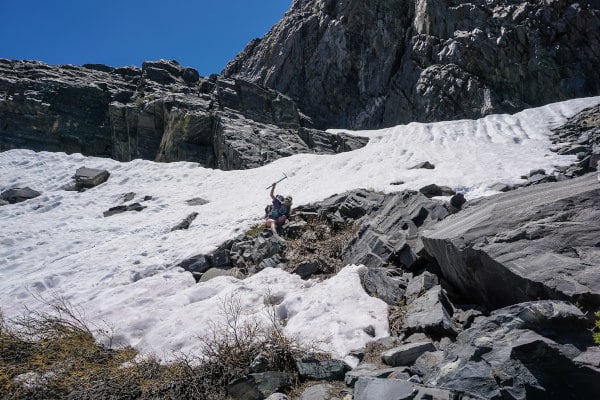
(376, 63)
(120, 269)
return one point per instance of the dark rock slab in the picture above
(405, 355)
(185, 224)
(86, 178)
(196, 201)
(423, 165)
(322, 391)
(328, 370)
(306, 269)
(529, 350)
(539, 242)
(124, 208)
(377, 282)
(436, 190)
(389, 234)
(430, 313)
(368, 388)
(17, 195)
(198, 263)
(259, 386)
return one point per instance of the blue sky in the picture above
(203, 34)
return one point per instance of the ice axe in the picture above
(284, 177)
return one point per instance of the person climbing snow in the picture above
(280, 211)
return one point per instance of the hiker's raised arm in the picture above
(273, 191)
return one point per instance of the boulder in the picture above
(405, 355)
(430, 313)
(185, 224)
(389, 234)
(528, 350)
(435, 190)
(421, 283)
(367, 388)
(423, 165)
(86, 178)
(323, 391)
(198, 263)
(377, 282)
(539, 242)
(258, 386)
(18, 195)
(371, 370)
(373, 388)
(457, 201)
(124, 208)
(306, 269)
(316, 370)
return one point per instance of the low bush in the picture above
(54, 355)
(597, 328)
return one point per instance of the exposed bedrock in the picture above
(161, 112)
(539, 242)
(375, 63)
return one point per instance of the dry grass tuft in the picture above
(54, 355)
(322, 243)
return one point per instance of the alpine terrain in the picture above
(432, 175)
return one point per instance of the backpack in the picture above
(268, 210)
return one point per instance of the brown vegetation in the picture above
(54, 355)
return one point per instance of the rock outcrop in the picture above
(375, 63)
(539, 242)
(527, 351)
(161, 112)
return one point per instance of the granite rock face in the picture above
(161, 112)
(539, 242)
(375, 63)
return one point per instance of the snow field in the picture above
(120, 270)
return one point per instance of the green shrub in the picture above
(255, 230)
(597, 328)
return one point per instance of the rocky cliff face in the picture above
(375, 63)
(161, 112)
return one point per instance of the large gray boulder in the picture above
(375, 63)
(430, 313)
(539, 242)
(86, 178)
(369, 388)
(17, 195)
(406, 354)
(377, 282)
(530, 350)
